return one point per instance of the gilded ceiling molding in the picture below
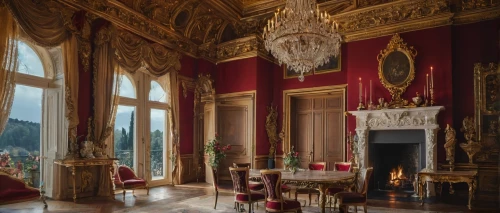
(135, 22)
(475, 11)
(247, 47)
(394, 17)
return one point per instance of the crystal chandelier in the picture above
(302, 37)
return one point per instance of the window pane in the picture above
(158, 142)
(127, 89)
(29, 62)
(21, 137)
(124, 135)
(157, 93)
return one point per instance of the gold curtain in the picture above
(71, 78)
(8, 62)
(174, 124)
(43, 26)
(106, 96)
(133, 52)
(46, 28)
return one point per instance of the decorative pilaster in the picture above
(431, 150)
(362, 148)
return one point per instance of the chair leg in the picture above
(249, 207)
(295, 195)
(147, 190)
(216, 196)
(355, 208)
(133, 192)
(364, 208)
(335, 203)
(124, 195)
(310, 199)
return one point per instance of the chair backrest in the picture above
(240, 180)
(241, 165)
(342, 166)
(363, 179)
(320, 166)
(126, 173)
(272, 185)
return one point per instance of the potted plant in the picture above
(292, 160)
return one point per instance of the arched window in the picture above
(125, 123)
(23, 132)
(141, 127)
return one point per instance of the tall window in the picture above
(141, 127)
(158, 117)
(21, 137)
(125, 124)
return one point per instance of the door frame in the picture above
(325, 90)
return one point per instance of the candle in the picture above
(360, 90)
(427, 79)
(432, 79)
(370, 91)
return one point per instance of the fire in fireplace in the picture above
(396, 157)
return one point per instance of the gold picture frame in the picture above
(487, 110)
(333, 65)
(396, 68)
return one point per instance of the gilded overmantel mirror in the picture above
(396, 68)
(487, 110)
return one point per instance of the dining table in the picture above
(321, 180)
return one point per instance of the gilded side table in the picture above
(73, 163)
(469, 177)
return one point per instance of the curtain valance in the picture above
(43, 26)
(133, 52)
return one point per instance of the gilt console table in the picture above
(73, 163)
(469, 177)
(321, 180)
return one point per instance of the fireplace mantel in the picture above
(424, 118)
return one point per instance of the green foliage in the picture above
(215, 151)
(292, 159)
(23, 134)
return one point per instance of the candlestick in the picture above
(360, 90)
(365, 95)
(427, 79)
(432, 79)
(371, 91)
(425, 93)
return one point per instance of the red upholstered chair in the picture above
(14, 190)
(330, 192)
(357, 198)
(342, 166)
(254, 186)
(126, 179)
(320, 166)
(274, 201)
(242, 193)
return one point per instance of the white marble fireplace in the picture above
(419, 118)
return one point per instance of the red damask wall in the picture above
(472, 43)
(186, 105)
(434, 49)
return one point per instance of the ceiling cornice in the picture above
(208, 19)
(133, 21)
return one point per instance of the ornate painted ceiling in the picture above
(206, 28)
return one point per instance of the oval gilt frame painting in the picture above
(396, 68)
